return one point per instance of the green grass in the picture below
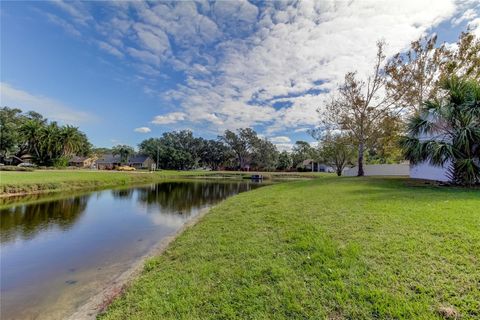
(332, 248)
(63, 180)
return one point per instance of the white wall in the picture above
(424, 170)
(380, 170)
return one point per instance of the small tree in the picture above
(447, 131)
(361, 106)
(337, 151)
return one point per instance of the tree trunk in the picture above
(361, 147)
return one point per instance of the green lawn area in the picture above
(12, 182)
(330, 248)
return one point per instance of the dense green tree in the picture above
(302, 151)
(47, 142)
(264, 155)
(242, 143)
(175, 150)
(250, 150)
(337, 151)
(10, 121)
(285, 161)
(446, 131)
(100, 150)
(124, 151)
(215, 154)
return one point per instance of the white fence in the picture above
(380, 170)
(424, 170)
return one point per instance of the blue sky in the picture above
(126, 71)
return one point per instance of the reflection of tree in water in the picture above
(26, 221)
(122, 193)
(183, 196)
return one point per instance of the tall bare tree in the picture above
(414, 75)
(359, 107)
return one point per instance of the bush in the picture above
(14, 168)
(61, 162)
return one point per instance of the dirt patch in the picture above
(448, 312)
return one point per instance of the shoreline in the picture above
(98, 303)
(97, 180)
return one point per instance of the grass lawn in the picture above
(331, 248)
(14, 182)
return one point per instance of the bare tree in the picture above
(414, 75)
(359, 107)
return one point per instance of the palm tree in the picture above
(72, 140)
(29, 133)
(124, 151)
(446, 131)
(50, 143)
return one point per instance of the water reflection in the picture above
(181, 197)
(122, 193)
(72, 247)
(26, 221)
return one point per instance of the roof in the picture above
(138, 158)
(109, 158)
(307, 162)
(78, 159)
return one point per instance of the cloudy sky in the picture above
(126, 71)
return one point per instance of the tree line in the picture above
(47, 142)
(242, 149)
(419, 105)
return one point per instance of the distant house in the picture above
(313, 166)
(141, 162)
(108, 162)
(82, 162)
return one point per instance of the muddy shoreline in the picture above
(100, 301)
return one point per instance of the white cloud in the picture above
(142, 130)
(239, 60)
(48, 107)
(280, 139)
(110, 49)
(284, 146)
(169, 118)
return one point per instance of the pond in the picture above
(56, 254)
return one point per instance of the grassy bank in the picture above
(333, 248)
(41, 181)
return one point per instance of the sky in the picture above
(126, 71)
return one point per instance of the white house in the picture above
(424, 170)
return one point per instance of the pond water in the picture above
(56, 254)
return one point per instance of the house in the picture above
(82, 162)
(424, 170)
(108, 162)
(311, 165)
(401, 169)
(141, 162)
(427, 171)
